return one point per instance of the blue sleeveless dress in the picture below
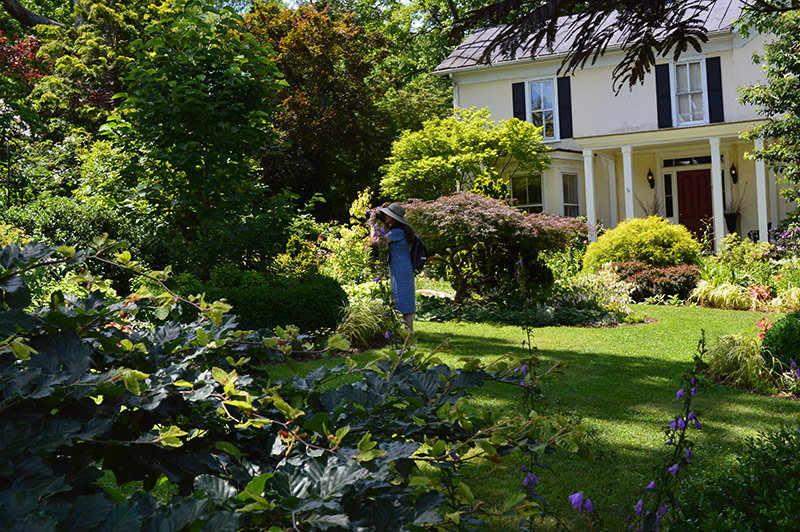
(401, 272)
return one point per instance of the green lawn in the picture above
(621, 382)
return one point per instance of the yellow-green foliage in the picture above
(11, 235)
(737, 360)
(653, 241)
(788, 299)
(725, 295)
(366, 322)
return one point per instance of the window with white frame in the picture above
(526, 191)
(571, 194)
(690, 93)
(543, 107)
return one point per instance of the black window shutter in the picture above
(518, 96)
(663, 97)
(714, 83)
(564, 108)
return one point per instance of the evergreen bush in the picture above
(653, 241)
(782, 340)
(268, 301)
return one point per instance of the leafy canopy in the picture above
(777, 98)
(199, 102)
(450, 154)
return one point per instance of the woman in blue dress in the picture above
(399, 235)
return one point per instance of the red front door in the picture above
(694, 199)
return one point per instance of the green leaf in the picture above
(202, 338)
(338, 343)
(219, 375)
(241, 405)
(67, 251)
(228, 448)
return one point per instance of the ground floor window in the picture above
(527, 192)
(571, 194)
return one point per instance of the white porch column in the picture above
(773, 193)
(588, 178)
(612, 192)
(761, 194)
(717, 207)
(627, 178)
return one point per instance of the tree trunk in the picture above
(25, 16)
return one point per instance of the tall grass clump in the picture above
(724, 295)
(365, 323)
(737, 360)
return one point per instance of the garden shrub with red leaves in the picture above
(648, 282)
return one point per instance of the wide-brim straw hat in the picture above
(396, 211)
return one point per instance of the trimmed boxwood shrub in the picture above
(782, 340)
(653, 241)
(267, 301)
(648, 282)
(760, 493)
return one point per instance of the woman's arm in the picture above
(377, 235)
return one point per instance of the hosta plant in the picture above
(117, 416)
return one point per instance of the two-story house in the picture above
(670, 146)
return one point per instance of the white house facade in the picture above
(670, 146)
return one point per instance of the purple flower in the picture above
(638, 508)
(673, 470)
(524, 369)
(793, 364)
(690, 416)
(673, 424)
(694, 381)
(387, 334)
(576, 500)
(689, 455)
(670, 441)
(383, 231)
(681, 423)
(694, 390)
(377, 279)
(588, 505)
(651, 486)
(530, 482)
(680, 393)
(454, 455)
(696, 423)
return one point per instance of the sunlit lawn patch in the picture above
(621, 382)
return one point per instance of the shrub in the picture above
(483, 240)
(782, 340)
(675, 281)
(347, 254)
(759, 493)
(786, 239)
(267, 301)
(737, 360)
(11, 235)
(726, 295)
(653, 241)
(751, 260)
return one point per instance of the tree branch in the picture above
(27, 17)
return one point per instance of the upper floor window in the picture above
(543, 107)
(527, 192)
(690, 93)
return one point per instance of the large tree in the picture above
(777, 98)
(335, 135)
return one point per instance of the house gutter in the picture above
(559, 56)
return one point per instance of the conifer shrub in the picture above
(782, 340)
(653, 241)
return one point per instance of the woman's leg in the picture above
(409, 319)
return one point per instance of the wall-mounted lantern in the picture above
(650, 179)
(734, 174)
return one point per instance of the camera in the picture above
(378, 214)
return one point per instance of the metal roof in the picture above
(720, 17)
